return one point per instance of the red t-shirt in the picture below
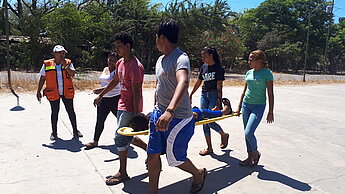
(129, 72)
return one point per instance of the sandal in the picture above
(197, 187)
(224, 144)
(226, 102)
(246, 162)
(114, 180)
(90, 145)
(255, 162)
(205, 152)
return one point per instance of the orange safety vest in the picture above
(51, 90)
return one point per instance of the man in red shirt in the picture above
(130, 75)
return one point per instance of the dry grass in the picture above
(29, 82)
(85, 85)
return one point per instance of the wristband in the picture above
(171, 111)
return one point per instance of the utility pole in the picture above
(311, 13)
(306, 48)
(329, 9)
(7, 29)
(7, 44)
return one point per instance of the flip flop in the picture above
(90, 145)
(114, 180)
(246, 163)
(205, 152)
(226, 102)
(197, 187)
(225, 144)
(255, 162)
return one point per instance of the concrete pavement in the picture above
(302, 151)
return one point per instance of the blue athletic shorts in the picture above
(174, 142)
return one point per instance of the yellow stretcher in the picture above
(127, 131)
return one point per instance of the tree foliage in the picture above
(85, 28)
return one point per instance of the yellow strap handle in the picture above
(127, 131)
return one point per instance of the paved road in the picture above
(303, 151)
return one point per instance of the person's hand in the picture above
(238, 111)
(270, 117)
(195, 115)
(39, 96)
(97, 100)
(163, 122)
(98, 90)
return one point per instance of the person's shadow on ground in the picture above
(136, 185)
(72, 145)
(219, 178)
(112, 148)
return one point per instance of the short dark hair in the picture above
(124, 37)
(169, 28)
(139, 122)
(115, 55)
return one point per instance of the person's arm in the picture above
(40, 86)
(98, 90)
(270, 115)
(136, 87)
(241, 99)
(155, 96)
(195, 88)
(220, 94)
(109, 87)
(182, 85)
(71, 72)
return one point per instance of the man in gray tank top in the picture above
(166, 68)
(171, 124)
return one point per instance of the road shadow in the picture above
(136, 185)
(17, 108)
(112, 148)
(72, 145)
(224, 176)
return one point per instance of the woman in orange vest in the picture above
(57, 73)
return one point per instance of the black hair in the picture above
(169, 28)
(115, 55)
(213, 51)
(139, 122)
(124, 37)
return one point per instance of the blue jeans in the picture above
(122, 142)
(208, 100)
(251, 116)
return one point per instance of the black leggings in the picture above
(103, 109)
(55, 107)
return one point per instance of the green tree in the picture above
(196, 21)
(290, 19)
(139, 18)
(336, 54)
(67, 25)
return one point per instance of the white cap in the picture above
(59, 48)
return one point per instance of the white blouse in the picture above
(105, 80)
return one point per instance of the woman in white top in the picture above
(109, 101)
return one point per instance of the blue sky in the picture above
(240, 5)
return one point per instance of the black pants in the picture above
(55, 107)
(103, 109)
